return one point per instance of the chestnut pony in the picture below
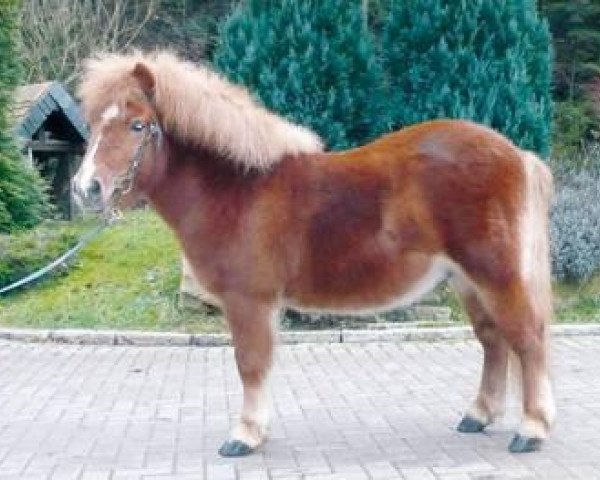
(267, 219)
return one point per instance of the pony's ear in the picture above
(145, 78)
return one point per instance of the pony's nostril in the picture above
(94, 189)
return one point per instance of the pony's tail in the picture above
(535, 252)
(539, 189)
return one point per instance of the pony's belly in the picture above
(399, 288)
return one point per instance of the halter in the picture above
(124, 183)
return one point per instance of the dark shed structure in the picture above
(52, 134)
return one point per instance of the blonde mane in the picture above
(199, 107)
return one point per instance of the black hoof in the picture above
(235, 448)
(470, 425)
(521, 444)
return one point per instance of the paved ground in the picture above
(341, 412)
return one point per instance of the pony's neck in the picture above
(191, 182)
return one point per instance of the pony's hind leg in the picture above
(252, 330)
(490, 400)
(522, 319)
(539, 408)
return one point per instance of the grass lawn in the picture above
(128, 278)
(578, 302)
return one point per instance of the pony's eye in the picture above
(137, 125)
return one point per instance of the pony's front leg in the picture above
(252, 329)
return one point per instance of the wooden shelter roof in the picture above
(34, 103)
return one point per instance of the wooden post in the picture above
(70, 161)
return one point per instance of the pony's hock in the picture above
(268, 220)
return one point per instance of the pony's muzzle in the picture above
(91, 196)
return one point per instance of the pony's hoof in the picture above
(235, 448)
(521, 444)
(470, 425)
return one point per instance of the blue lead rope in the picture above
(60, 260)
(124, 185)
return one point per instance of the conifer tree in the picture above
(312, 61)
(22, 197)
(575, 26)
(484, 60)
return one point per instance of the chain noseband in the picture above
(124, 183)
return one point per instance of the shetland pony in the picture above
(268, 219)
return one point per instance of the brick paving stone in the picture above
(67, 471)
(222, 472)
(125, 475)
(417, 473)
(381, 470)
(96, 475)
(23, 477)
(171, 477)
(252, 474)
(371, 411)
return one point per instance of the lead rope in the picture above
(123, 186)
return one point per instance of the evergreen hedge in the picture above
(317, 63)
(22, 196)
(485, 60)
(312, 61)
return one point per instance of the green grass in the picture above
(578, 302)
(127, 278)
(573, 302)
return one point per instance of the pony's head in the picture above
(125, 96)
(124, 138)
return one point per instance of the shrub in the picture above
(484, 60)
(22, 197)
(310, 60)
(573, 123)
(575, 227)
(189, 28)
(571, 161)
